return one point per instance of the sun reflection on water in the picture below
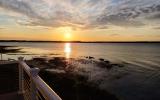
(67, 50)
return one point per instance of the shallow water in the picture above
(138, 80)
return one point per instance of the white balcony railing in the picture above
(31, 84)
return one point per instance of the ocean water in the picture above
(138, 80)
(145, 52)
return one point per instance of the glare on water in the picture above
(67, 50)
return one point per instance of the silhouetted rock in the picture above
(90, 57)
(87, 57)
(107, 62)
(118, 65)
(101, 59)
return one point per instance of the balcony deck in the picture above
(11, 96)
(9, 81)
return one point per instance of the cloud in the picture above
(158, 28)
(84, 14)
(154, 16)
(1, 28)
(114, 34)
(19, 6)
(130, 16)
(118, 20)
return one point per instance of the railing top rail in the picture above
(45, 90)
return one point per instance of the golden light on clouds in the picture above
(80, 20)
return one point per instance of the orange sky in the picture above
(68, 34)
(84, 20)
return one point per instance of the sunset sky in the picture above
(80, 20)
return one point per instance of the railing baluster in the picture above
(21, 77)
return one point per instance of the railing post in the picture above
(34, 91)
(21, 77)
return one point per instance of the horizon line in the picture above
(80, 41)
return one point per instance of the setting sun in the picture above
(67, 32)
(67, 35)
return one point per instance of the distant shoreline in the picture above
(34, 41)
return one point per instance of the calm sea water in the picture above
(138, 80)
(113, 51)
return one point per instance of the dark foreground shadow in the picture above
(74, 87)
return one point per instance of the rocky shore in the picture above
(71, 78)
